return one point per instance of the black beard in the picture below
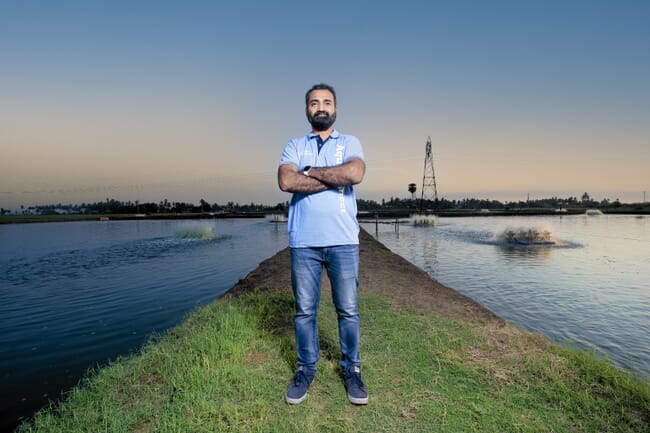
(321, 121)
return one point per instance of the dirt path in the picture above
(383, 272)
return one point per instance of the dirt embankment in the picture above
(380, 271)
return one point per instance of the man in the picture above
(320, 170)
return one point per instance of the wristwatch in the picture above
(305, 170)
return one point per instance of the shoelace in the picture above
(300, 377)
(356, 378)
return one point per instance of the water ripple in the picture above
(72, 264)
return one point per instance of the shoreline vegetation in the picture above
(392, 208)
(434, 361)
(362, 215)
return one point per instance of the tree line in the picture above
(475, 203)
(113, 206)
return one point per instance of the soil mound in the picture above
(380, 271)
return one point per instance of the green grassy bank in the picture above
(226, 368)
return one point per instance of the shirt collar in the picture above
(335, 134)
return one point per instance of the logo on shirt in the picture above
(339, 153)
(339, 160)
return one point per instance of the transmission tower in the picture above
(429, 190)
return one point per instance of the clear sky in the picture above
(184, 100)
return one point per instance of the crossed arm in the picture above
(320, 178)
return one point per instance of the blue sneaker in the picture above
(298, 387)
(357, 392)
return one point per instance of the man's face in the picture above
(321, 110)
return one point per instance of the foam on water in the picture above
(423, 220)
(195, 231)
(533, 235)
(276, 218)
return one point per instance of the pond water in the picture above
(76, 295)
(591, 289)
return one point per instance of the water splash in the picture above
(276, 218)
(594, 212)
(195, 231)
(423, 220)
(526, 236)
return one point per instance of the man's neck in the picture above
(324, 135)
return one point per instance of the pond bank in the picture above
(434, 360)
(380, 272)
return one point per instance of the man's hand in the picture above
(292, 180)
(349, 173)
(320, 178)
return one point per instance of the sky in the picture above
(190, 100)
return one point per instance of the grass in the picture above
(227, 366)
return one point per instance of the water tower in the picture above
(412, 189)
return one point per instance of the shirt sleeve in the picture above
(290, 154)
(353, 149)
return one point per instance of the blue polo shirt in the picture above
(325, 218)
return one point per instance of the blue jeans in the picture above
(342, 264)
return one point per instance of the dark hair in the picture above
(321, 86)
